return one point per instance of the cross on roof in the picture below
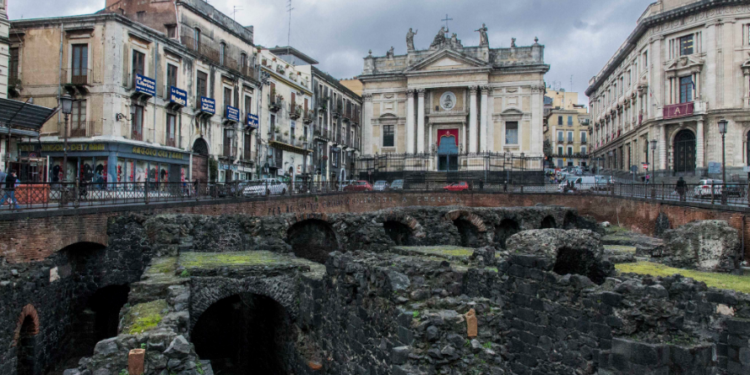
(446, 20)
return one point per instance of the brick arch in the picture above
(416, 228)
(475, 220)
(27, 311)
(281, 289)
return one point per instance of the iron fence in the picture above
(43, 196)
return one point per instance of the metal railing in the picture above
(82, 194)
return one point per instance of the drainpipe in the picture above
(156, 79)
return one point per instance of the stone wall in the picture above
(35, 236)
(381, 314)
(58, 289)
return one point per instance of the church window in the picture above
(388, 136)
(511, 133)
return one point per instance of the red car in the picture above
(359, 186)
(457, 186)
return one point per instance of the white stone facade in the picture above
(684, 68)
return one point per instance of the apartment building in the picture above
(163, 91)
(566, 130)
(682, 70)
(337, 129)
(286, 134)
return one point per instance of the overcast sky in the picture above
(579, 35)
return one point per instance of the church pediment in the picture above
(447, 60)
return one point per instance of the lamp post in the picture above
(610, 154)
(723, 130)
(66, 102)
(654, 143)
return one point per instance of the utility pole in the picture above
(289, 9)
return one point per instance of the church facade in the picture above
(451, 108)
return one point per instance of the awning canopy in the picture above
(23, 115)
(18, 132)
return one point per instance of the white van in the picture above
(584, 183)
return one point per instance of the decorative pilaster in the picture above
(367, 125)
(662, 144)
(410, 121)
(699, 145)
(483, 136)
(473, 138)
(420, 120)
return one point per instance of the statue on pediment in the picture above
(410, 39)
(439, 38)
(483, 39)
(455, 43)
(390, 52)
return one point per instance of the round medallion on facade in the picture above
(448, 101)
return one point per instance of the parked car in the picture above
(380, 185)
(359, 186)
(736, 190)
(345, 183)
(703, 189)
(397, 185)
(457, 186)
(580, 183)
(272, 186)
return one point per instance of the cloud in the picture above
(579, 35)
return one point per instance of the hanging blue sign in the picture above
(252, 120)
(178, 96)
(208, 105)
(145, 85)
(232, 114)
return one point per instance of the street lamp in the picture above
(723, 130)
(66, 102)
(611, 154)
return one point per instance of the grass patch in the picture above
(616, 229)
(712, 279)
(166, 266)
(144, 317)
(239, 259)
(445, 251)
(620, 248)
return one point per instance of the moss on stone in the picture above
(239, 259)
(144, 317)
(620, 248)
(712, 279)
(444, 251)
(165, 266)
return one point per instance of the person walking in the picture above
(648, 179)
(681, 188)
(10, 190)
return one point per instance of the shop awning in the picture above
(23, 115)
(18, 132)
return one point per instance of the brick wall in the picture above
(34, 236)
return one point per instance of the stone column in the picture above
(537, 122)
(699, 145)
(420, 120)
(410, 121)
(662, 146)
(367, 125)
(483, 120)
(473, 119)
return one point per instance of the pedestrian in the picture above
(195, 187)
(505, 186)
(10, 190)
(681, 187)
(648, 178)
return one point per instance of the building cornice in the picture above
(640, 30)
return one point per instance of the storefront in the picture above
(107, 161)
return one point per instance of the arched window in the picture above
(222, 52)
(197, 40)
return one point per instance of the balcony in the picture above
(678, 110)
(295, 111)
(308, 117)
(321, 133)
(250, 72)
(80, 129)
(171, 142)
(584, 141)
(570, 141)
(275, 104)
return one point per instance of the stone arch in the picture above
(504, 230)
(281, 289)
(548, 223)
(245, 331)
(470, 227)
(312, 237)
(403, 226)
(570, 221)
(29, 312)
(200, 146)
